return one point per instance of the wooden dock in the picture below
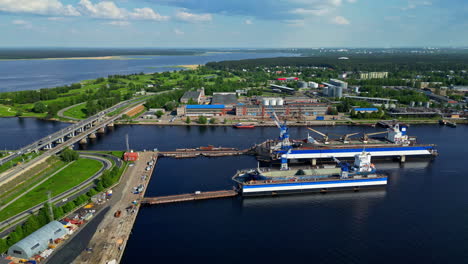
(189, 197)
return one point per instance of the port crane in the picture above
(365, 138)
(325, 136)
(344, 167)
(284, 130)
(346, 137)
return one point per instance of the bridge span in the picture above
(68, 136)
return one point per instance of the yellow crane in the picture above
(345, 137)
(365, 138)
(325, 137)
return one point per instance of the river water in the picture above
(420, 217)
(18, 75)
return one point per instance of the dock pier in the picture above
(189, 153)
(189, 197)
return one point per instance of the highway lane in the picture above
(107, 164)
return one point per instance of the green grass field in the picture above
(76, 112)
(66, 179)
(15, 161)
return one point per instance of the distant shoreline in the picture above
(74, 58)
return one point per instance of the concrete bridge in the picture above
(78, 132)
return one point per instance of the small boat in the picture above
(442, 122)
(451, 124)
(240, 125)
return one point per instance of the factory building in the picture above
(313, 85)
(281, 89)
(282, 107)
(374, 100)
(339, 83)
(227, 99)
(366, 110)
(38, 241)
(202, 110)
(197, 96)
(373, 75)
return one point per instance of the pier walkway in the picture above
(189, 197)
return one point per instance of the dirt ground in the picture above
(108, 243)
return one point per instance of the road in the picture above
(61, 113)
(17, 218)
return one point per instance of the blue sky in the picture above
(234, 23)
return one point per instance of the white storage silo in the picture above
(266, 101)
(273, 101)
(280, 101)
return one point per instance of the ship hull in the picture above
(311, 187)
(419, 151)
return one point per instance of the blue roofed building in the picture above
(366, 109)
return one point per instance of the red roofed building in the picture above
(131, 156)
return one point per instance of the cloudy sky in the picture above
(233, 23)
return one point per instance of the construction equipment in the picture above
(284, 134)
(365, 138)
(325, 136)
(345, 137)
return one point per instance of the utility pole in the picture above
(126, 142)
(49, 201)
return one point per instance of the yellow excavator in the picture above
(325, 137)
(365, 138)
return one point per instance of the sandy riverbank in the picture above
(190, 66)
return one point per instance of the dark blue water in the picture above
(18, 75)
(420, 217)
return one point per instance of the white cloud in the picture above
(339, 20)
(109, 10)
(146, 13)
(415, 4)
(248, 22)
(55, 18)
(185, 16)
(20, 22)
(39, 7)
(178, 32)
(314, 12)
(119, 23)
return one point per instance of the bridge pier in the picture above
(111, 124)
(83, 141)
(403, 159)
(92, 135)
(48, 146)
(314, 162)
(102, 130)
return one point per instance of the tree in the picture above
(69, 155)
(213, 121)
(19, 113)
(159, 113)
(187, 120)
(202, 120)
(39, 107)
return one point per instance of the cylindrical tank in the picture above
(273, 101)
(428, 104)
(331, 91)
(313, 85)
(338, 92)
(325, 91)
(420, 103)
(411, 104)
(266, 101)
(301, 85)
(280, 101)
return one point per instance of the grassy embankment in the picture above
(66, 179)
(27, 179)
(78, 111)
(18, 160)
